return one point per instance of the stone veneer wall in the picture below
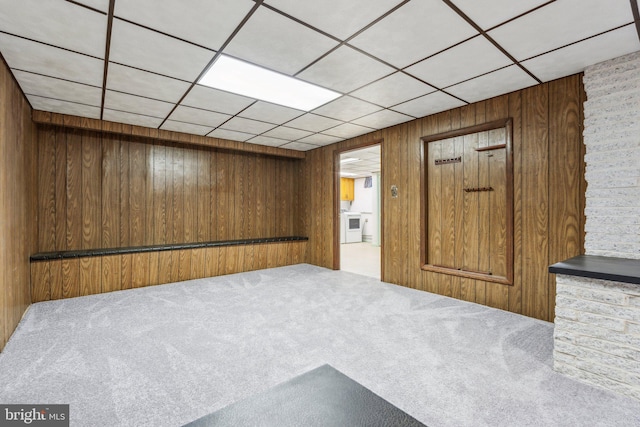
(597, 325)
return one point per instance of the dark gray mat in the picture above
(321, 397)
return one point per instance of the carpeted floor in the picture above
(167, 355)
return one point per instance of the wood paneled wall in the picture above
(66, 278)
(549, 191)
(102, 190)
(17, 202)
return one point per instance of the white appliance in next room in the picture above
(352, 225)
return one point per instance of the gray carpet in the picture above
(167, 355)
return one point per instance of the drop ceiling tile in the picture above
(186, 127)
(55, 22)
(35, 84)
(560, 23)
(271, 113)
(101, 5)
(275, 42)
(344, 70)
(575, 58)
(320, 139)
(265, 140)
(471, 58)
(488, 14)
(231, 135)
(136, 104)
(429, 104)
(348, 130)
(337, 17)
(408, 35)
(205, 22)
(131, 119)
(300, 146)
(63, 107)
(198, 116)
(287, 133)
(143, 83)
(382, 119)
(346, 108)
(151, 51)
(497, 83)
(26, 55)
(247, 126)
(216, 100)
(313, 123)
(392, 90)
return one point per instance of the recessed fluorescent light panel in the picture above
(242, 78)
(347, 174)
(349, 160)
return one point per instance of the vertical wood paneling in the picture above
(515, 292)
(74, 190)
(61, 185)
(47, 190)
(57, 279)
(159, 197)
(90, 276)
(71, 278)
(548, 196)
(203, 227)
(565, 171)
(535, 202)
(137, 192)
(91, 190)
(111, 273)
(497, 294)
(111, 198)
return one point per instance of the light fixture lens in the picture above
(349, 160)
(347, 174)
(233, 75)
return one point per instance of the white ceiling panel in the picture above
(35, 84)
(313, 123)
(231, 135)
(472, 58)
(488, 14)
(429, 104)
(186, 127)
(497, 83)
(131, 119)
(101, 5)
(198, 116)
(275, 42)
(300, 146)
(265, 140)
(320, 139)
(50, 61)
(382, 119)
(247, 126)
(348, 130)
(575, 58)
(56, 22)
(337, 17)
(143, 83)
(344, 70)
(216, 100)
(63, 107)
(346, 108)
(145, 49)
(136, 104)
(287, 133)
(271, 113)
(560, 23)
(392, 90)
(205, 22)
(409, 34)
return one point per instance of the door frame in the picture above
(336, 200)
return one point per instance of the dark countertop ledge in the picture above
(46, 256)
(600, 267)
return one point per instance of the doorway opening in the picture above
(360, 211)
